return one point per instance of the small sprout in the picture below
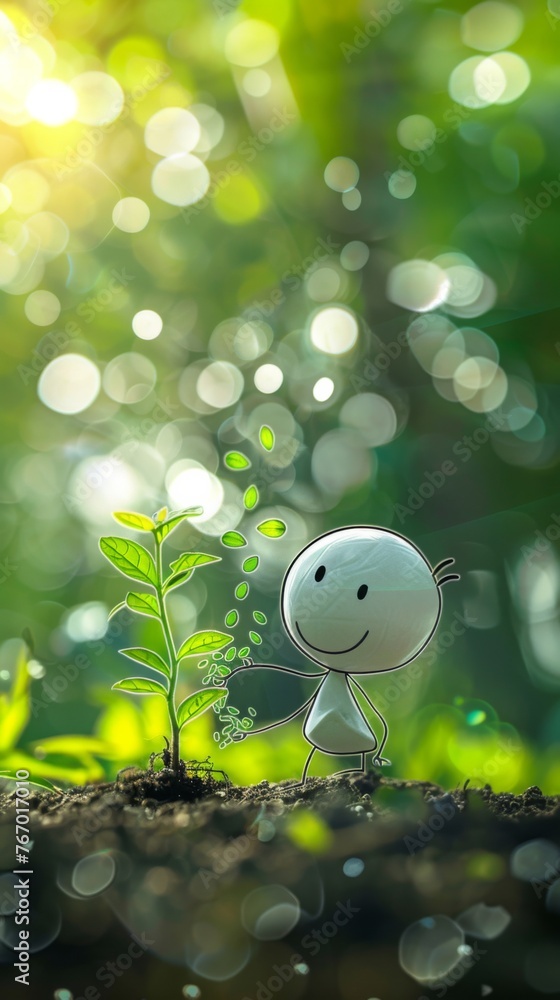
(137, 563)
(255, 637)
(241, 591)
(237, 460)
(273, 528)
(251, 497)
(233, 539)
(231, 619)
(260, 617)
(266, 437)
(250, 564)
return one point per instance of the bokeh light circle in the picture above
(69, 384)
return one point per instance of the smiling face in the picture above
(360, 600)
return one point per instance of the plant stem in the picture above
(172, 656)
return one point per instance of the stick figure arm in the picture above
(378, 714)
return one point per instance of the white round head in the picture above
(360, 600)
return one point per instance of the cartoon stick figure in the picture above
(357, 600)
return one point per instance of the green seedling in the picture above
(137, 563)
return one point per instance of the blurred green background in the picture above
(336, 219)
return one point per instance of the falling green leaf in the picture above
(147, 657)
(233, 539)
(241, 591)
(231, 619)
(230, 655)
(197, 703)
(255, 637)
(266, 436)
(140, 685)
(250, 564)
(260, 617)
(236, 460)
(143, 604)
(251, 497)
(203, 642)
(130, 558)
(243, 652)
(273, 528)
(165, 529)
(137, 521)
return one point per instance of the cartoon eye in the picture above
(319, 573)
(362, 591)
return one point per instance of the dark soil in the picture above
(188, 851)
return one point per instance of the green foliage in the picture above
(266, 437)
(250, 497)
(233, 539)
(236, 460)
(273, 528)
(65, 759)
(136, 562)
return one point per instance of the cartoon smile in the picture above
(333, 652)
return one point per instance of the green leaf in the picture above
(250, 564)
(197, 703)
(140, 685)
(259, 617)
(143, 604)
(203, 642)
(118, 607)
(165, 529)
(241, 591)
(176, 579)
(244, 652)
(236, 460)
(190, 560)
(161, 515)
(273, 528)
(15, 707)
(255, 637)
(234, 539)
(137, 521)
(231, 654)
(147, 657)
(130, 558)
(266, 437)
(40, 782)
(73, 746)
(231, 619)
(251, 497)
